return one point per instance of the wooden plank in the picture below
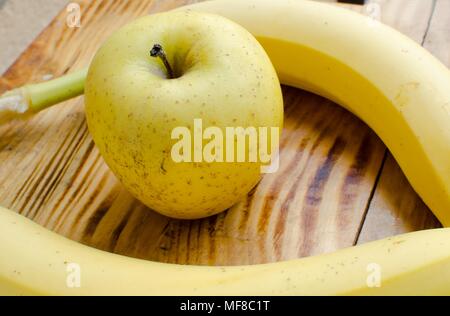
(52, 172)
(312, 205)
(410, 17)
(395, 207)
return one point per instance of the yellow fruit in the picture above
(37, 261)
(223, 77)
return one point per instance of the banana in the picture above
(394, 85)
(390, 82)
(36, 261)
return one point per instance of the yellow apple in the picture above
(220, 75)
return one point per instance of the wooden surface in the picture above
(337, 184)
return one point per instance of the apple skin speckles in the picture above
(224, 77)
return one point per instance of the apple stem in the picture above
(158, 51)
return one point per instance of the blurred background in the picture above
(20, 22)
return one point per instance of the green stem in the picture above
(31, 98)
(46, 94)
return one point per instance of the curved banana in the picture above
(390, 82)
(36, 261)
(394, 85)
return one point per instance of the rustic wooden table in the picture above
(337, 185)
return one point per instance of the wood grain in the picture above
(51, 171)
